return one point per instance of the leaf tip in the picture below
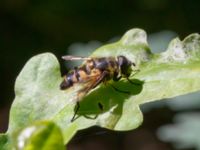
(134, 36)
(182, 51)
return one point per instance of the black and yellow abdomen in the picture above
(91, 70)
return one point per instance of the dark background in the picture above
(30, 27)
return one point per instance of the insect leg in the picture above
(76, 110)
(84, 91)
(116, 78)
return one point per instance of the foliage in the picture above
(164, 75)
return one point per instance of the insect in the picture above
(95, 71)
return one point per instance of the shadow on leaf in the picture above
(105, 97)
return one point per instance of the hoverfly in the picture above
(95, 71)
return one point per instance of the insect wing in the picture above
(92, 82)
(70, 57)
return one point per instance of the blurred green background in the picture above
(30, 27)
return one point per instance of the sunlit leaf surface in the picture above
(162, 75)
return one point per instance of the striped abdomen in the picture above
(91, 70)
(75, 76)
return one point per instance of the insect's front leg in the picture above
(116, 76)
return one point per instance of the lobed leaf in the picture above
(168, 74)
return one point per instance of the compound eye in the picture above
(120, 60)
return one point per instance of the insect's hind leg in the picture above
(76, 111)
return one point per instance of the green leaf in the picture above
(38, 96)
(168, 74)
(4, 142)
(40, 135)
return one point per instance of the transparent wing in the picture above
(70, 57)
(91, 83)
